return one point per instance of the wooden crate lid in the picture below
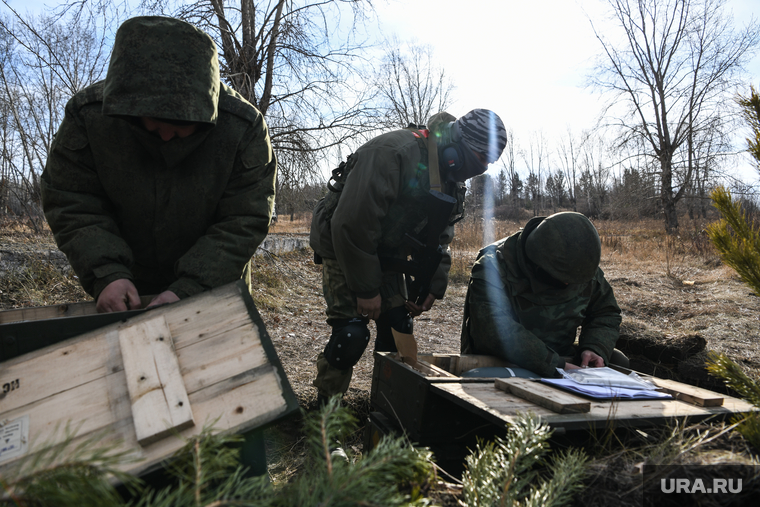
(226, 369)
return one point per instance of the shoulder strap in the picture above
(432, 147)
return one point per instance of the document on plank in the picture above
(606, 392)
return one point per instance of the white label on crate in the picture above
(14, 437)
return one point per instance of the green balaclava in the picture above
(565, 245)
(162, 68)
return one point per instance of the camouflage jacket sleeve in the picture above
(441, 278)
(371, 188)
(601, 327)
(242, 219)
(492, 326)
(79, 212)
(89, 222)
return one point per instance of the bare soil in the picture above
(677, 305)
(670, 321)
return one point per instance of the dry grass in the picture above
(44, 279)
(667, 287)
(300, 224)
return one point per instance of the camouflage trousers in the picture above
(341, 306)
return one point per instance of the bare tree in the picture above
(298, 61)
(568, 153)
(289, 59)
(509, 162)
(533, 191)
(411, 86)
(502, 187)
(555, 188)
(677, 60)
(536, 158)
(593, 183)
(705, 150)
(45, 60)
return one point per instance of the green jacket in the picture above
(511, 314)
(184, 215)
(382, 199)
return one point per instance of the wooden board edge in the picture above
(544, 395)
(268, 345)
(689, 394)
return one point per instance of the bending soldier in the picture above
(529, 293)
(381, 201)
(160, 179)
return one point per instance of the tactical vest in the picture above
(408, 213)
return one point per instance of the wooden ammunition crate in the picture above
(141, 379)
(436, 407)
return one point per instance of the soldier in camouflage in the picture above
(160, 179)
(529, 293)
(382, 199)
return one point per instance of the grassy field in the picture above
(671, 289)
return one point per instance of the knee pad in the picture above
(347, 343)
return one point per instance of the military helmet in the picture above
(566, 245)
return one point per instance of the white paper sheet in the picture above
(606, 392)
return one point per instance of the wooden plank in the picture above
(498, 407)
(689, 394)
(160, 405)
(47, 312)
(237, 383)
(543, 395)
(462, 363)
(427, 369)
(680, 391)
(487, 401)
(55, 311)
(212, 315)
(103, 406)
(431, 370)
(53, 370)
(437, 359)
(207, 362)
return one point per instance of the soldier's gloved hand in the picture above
(165, 297)
(415, 309)
(118, 296)
(369, 308)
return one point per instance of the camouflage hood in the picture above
(565, 245)
(162, 68)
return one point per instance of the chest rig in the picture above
(409, 214)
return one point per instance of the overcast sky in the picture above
(526, 60)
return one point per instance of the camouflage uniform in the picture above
(510, 311)
(383, 198)
(183, 215)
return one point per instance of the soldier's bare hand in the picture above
(118, 296)
(415, 309)
(165, 297)
(369, 308)
(592, 359)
